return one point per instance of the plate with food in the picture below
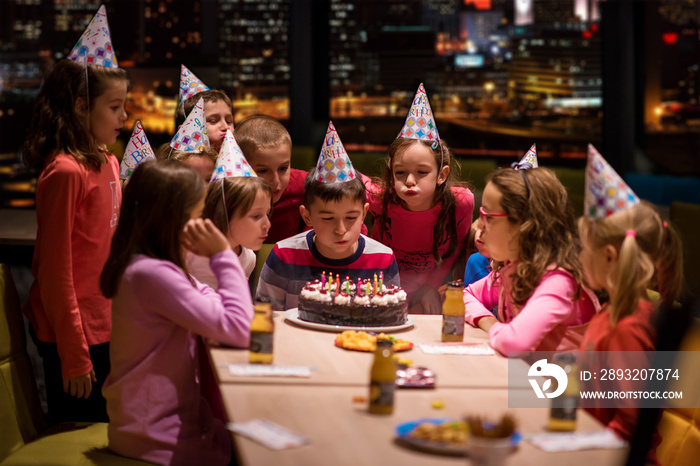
(367, 341)
(443, 436)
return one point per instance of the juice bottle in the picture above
(453, 312)
(261, 333)
(383, 379)
(563, 414)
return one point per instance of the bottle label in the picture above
(381, 393)
(564, 408)
(453, 325)
(261, 342)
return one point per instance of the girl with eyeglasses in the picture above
(537, 280)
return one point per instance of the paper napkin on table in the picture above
(270, 371)
(456, 348)
(572, 441)
(268, 433)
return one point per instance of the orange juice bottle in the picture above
(453, 312)
(383, 379)
(261, 333)
(563, 414)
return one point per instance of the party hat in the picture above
(420, 123)
(192, 135)
(137, 150)
(231, 161)
(334, 165)
(189, 85)
(528, 161)
(95, 45)
(606, 193)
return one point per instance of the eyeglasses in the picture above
(487, 217)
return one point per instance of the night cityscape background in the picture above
(500, 74)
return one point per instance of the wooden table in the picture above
(298, 346)
(344, 433)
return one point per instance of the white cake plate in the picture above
(292, 315)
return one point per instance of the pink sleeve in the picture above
(479, 297)
(57, 199)
(550, 305)
(374, 194)
(223, 315)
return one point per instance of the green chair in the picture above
(574, 180)
(686, 218)
(261, 257)
(24, 439)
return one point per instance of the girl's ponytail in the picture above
(634, 271)
(669, 264)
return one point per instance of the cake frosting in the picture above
(371, 304)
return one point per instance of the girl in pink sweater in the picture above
(537, 281)
(155, 397)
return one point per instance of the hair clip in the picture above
(435, 145)
(631, 233)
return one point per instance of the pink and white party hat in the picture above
(95, 45)
(334, 165)
(606, 192)
(192, 135)
(529, 160)
(420, 122)
(137, 150)
(189, 84)
(231, 161)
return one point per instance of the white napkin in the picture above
(261, 370)
(456, 348)
(268, 433)
(572, 441)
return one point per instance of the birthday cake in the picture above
(363, 303)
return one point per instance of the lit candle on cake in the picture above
(323, 279)
(337, 283)
(347, 284)
(381, 280)
(375, 283)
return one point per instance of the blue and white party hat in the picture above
(137, 150)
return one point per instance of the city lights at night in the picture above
(499, 73)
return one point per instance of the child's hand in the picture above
(81, 386)
(429, 299)
(203, 238)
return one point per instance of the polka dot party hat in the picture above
(192, 135)
(95, 45)
(529, 160)
(189, 84)
(231, 161)
(334, 165)
(420, 122)
(606, 192)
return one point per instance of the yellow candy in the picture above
(438, 404)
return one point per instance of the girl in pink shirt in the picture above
(625, 254)
(79, 111)
(537, 281)
(156, 398)
(423, 214)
